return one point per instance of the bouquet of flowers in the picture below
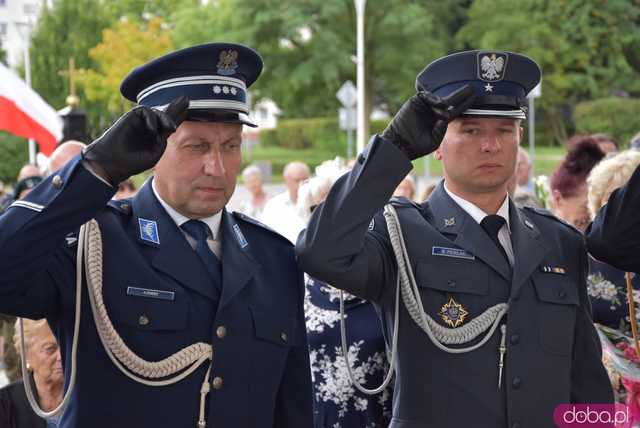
(622, 362)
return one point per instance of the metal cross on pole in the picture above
(71, 73)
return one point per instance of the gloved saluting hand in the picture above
(136, 141)
(420, 124)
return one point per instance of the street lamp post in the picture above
(360, 8)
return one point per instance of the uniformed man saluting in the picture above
(190, 316)
(494, 322)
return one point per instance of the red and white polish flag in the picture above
(24, 113)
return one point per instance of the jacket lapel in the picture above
(238, 265)
(171, 252)
(451, 219)
(528, 247)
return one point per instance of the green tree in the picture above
(308, 46)
(14, 153)
(70, 28)
(577, 43)
(63, 31)
(127, 45)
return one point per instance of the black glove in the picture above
(136, 141)
(420, 124)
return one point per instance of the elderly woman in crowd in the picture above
(44, 372)
(252, 178)
(337, 403)
(569, 182)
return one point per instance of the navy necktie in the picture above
(492, 225)
(200, 231)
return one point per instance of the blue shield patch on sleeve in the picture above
(149, 231)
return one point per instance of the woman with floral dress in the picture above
(337, 402)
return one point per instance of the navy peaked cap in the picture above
(501, 80)
(214, 76)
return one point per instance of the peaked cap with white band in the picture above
(501, 80)
(214, 76)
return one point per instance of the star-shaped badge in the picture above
(488, 87)
(453, 313)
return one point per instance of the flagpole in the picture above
(27, 75)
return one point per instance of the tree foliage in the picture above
(65, 31)
(308, 46)
(615, 116)
(587, 49)
(577, 43)
(125, 46)
(14, 153)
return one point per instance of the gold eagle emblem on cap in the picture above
(453, 313)
(228, 62)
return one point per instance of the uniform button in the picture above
(515, 338)
(221, 332)
(562, 294)
(143, 320)
(361, 159)
(283, 336)
(516, 382)
(57, 182)
(217, 382)
(516, 425)
(125, 208)
(451, 283)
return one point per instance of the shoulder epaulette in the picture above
(402, 202)
(253, 221)
(121, 205)
(546, 213)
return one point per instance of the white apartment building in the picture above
(17, 18)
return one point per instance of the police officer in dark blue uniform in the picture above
(494, 326)
(189, 315)
(614, 235)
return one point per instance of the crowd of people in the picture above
(276, 281)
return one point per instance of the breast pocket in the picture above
(149, 313)
(464, 281)
(557, 305)
(274, 327)
(275, 334)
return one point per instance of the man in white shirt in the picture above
(281, 213)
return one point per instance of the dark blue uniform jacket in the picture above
(255, 325)
(553, 352)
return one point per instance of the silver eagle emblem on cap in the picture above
(492, 66)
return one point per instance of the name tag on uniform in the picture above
(457, 253)
(151, 294)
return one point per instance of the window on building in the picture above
(3, 28)
(30, 9)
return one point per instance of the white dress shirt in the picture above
(281, 215)
(504, 234)
(213, 222)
